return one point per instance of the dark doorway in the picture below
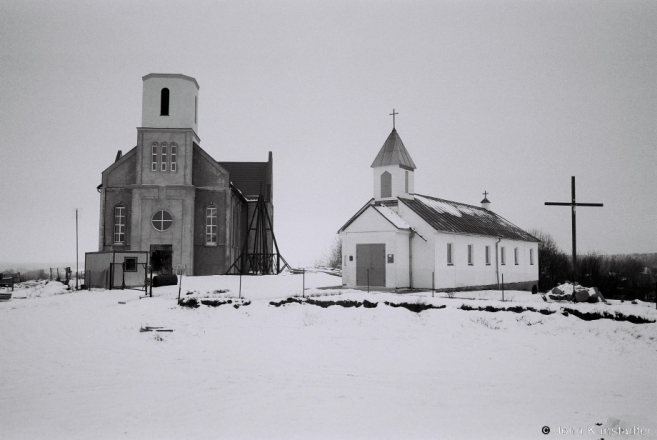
(161, 258)
(371, 262)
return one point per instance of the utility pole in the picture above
(77, 272)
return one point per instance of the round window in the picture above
(162, 220)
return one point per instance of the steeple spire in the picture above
(394, 152)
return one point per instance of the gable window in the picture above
(119, 224)
(130, 264)
(487, 255)
(531, 256)
(406, 182)
(162, 220)
(211, 225)
(515, 256)
(174, 157)
(450, 254)
(386, 184)
(470, 255)
(163, 162)
(154, 157)
(164, 102)
(503, 255)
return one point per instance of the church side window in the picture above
(154, 157)
(531, 257)
(119, 224)
(174, 157)
(487, 255)
(386, 184)
(164, 158)
(470, 255)
(450, 254)
(211, 225)
(164, 102)
(406, 182)
(515, 256)
(503, 255)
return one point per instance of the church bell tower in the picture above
(393, 170)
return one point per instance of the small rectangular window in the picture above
(503, 255)
(130, 264)
(531, 257)
(174, 157)
(487, 255)
(450, 254)
(351, 258)
(470, 256)
(406, 186)
(515, 256)
(154, 158)
(164, 158)
(391, 258)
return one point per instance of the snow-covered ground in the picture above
(74, 365)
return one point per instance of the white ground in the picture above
(74, 365)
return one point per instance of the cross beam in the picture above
(573, 204)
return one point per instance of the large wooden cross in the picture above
(573, 205)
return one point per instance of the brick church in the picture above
(172, 202)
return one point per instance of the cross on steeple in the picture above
(573, 206)
(393, 117)
(485, 194)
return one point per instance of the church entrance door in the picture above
(370, 263)
(161, 258)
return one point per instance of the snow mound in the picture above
(39, 289)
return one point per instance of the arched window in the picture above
(162, 220)
(174, 157)
(164, 152)
(119, 224)
(211, 225)
(164, 102)
(386, 184)
(154, 156)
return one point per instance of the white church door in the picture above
(371, 265)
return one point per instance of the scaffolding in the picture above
(259, 259)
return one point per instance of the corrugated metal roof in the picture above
(459, 218)
(249, 177)
(393, 152)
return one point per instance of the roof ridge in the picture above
(457, 203)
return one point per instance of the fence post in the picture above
(433, 283)
(502, 287)
(240, 294)
(368, 281)
(151, 286)
(303, 290)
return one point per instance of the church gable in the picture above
(376, 219)
(206, 172)
(122, 172)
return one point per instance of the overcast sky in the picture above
(509, 97)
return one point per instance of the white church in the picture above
(404, 240)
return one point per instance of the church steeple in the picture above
(393, 170)
(393, 152)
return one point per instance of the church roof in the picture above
(393, 152)
(459, 218)
(249, 177)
